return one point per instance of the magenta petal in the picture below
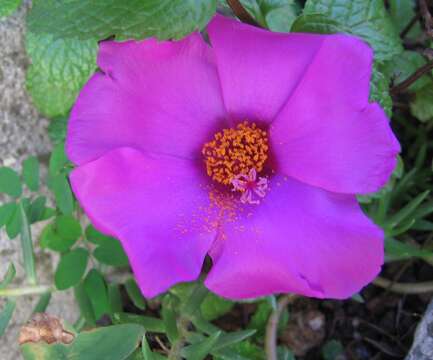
(300, 239)
(152, 205)
(160, 97)
(259, 69)
(328, 135)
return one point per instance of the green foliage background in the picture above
(61, 42)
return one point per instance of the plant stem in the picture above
(404, 288)
(26, 290)
(412, 78)
(272, 327)
(428, 19)
(409, 26)
(176, 348)
(241, 13)
(27, 247)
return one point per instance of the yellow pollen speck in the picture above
(236, 151)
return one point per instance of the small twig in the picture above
(428, 19)
(412, 78)
(241, 13)
(404, 288)
(162, 345)
(409, 26)
(272, 327)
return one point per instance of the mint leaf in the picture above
(7, 7)
(276, 15)
(402, 12)
(422, 105)
(366, 19)
(379, 88)
(404, 65)
(317, 23)
(100, 19)
(60, 68)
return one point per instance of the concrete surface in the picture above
(22, 133)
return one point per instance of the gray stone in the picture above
(23, 132)
(422, 348)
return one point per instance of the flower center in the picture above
(235, 156)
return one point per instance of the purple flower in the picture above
(250, 150)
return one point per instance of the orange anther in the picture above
(236, 151)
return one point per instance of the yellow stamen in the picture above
(236, 151)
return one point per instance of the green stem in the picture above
(176, 348)
(27, 290)
(27, 247)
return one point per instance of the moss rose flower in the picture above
(250, 150)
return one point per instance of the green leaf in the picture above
(137, 19)
(10, 182)
(243, 350)
(37, 210)
(276, 15)
(71, 268)
(96, 237)
(134, 294)
(110, 252)
(151, 324)
(43, 351)
(61, 234)
(111, 343)
(396, 250)
(13, 226)
(31, 173)
(84, 304)
(406, 211)
(404, 65)
(332, 349)
(58, 160)
(115, 298)
(57, 129)
(379, 88)
(199, 350)
(42, 304)
(114, 342)
(317, 23)
(9, 276)
(59, 69)
(96, 289)
(401, 13)
(259, 319)
(232, 338)
(27, 246)
(63, 194)
(6, 212)
(6, 315)
(214, 306)
(8, 7)
(366, 19)
(170, 325)
(422, 105)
